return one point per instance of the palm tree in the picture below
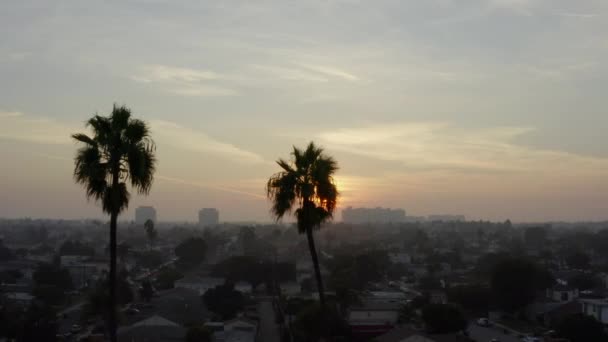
(306, 183)
(150, 231)
(120, 151)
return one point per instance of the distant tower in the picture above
(143, 214)
(208, 217)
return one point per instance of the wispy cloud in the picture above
(576, 15)
(171, 133)
(10, 114)
(184, 81)
(441, 146)
(331, 71)
(208, 186)
(17, 126)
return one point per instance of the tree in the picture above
(192, 251)
(224, 300)
(535, 237)
(578, 260)
(146, 291)
(50, 283)
(581, 328)
(515, 282)
(150, 259)
(585, 281)
(98, 297)
(70, 247)
(151, 232)
(120, 151)
(5, 252)
(306, 183)
(166, 278)
(314, 322)
(443, 318)
(199, 334)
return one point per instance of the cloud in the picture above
(331, 71)
(208, 186)
(184, 81)
(576, 15)
(173, 134)
(441, 146)
(20, 127)
(10, 114)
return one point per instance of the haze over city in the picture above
(493, 109)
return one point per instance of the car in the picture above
(483, 322)
(75, 328)
(494, 340)
(530, 339)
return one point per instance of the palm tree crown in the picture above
(119, 151)
(306, 180)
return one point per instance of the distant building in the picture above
(446, 218)
(372, 215)
(208, 217)
(143, 214)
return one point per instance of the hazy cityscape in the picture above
(303, 171)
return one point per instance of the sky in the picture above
(494, 109)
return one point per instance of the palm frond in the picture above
(120, 117)
(83, 138)
(142, 165)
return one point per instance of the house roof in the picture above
(156, 321)
(407, 334)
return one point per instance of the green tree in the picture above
(515, 282)
(192, 251)
(224, 300)
(306, 183)
(166, 278)
(120, 151)
(443, 318)
(582, 328)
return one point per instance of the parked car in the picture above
(75, 328)
(483, 322)
(530, 339)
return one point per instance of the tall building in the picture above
(372, 215)
(143, 214)
(208, 217)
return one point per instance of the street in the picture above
(269, 329)
(486, 334)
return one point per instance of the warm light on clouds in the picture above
(493, 109)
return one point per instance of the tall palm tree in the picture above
(120, 151)
(306, 183)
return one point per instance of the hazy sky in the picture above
(493, 109)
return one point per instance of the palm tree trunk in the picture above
(113, 325)
(315, 262)
(113, 224)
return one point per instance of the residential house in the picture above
(153, 329)
(562, 293)
(597, 308)
(372, 319)
(199, 284)
(290, 288)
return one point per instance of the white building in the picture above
(208, 217)
(143, 214)
(597, 308)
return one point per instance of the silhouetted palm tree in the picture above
(120, 151)
(151, 233)
(306, 183)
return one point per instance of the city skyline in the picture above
(415, 100)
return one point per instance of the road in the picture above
(269, 329)
(486, 334)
